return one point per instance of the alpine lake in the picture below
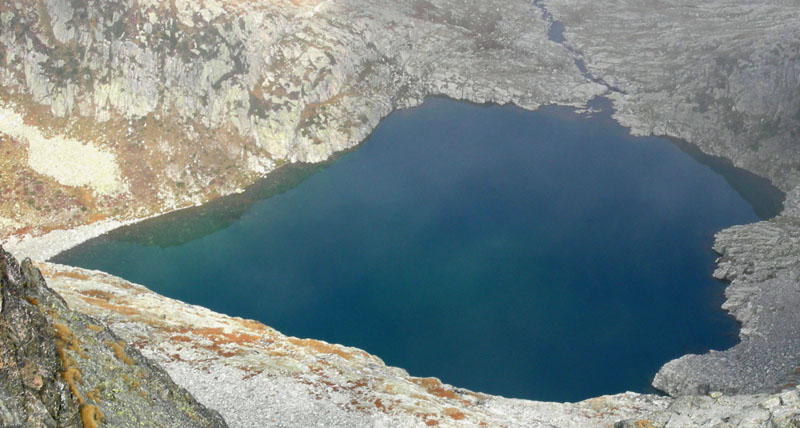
(545, 255)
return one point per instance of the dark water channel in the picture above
(543, 255)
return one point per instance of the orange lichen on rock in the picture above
(218, 336)
(91, 416)
(644, 423)
(356, 385)
(65, 339)
(94, 327)
(193, 416)
(119, 352)
(453, 413)
(65, 335)
(435, 387)
(123, 310)
(97, 217)
(98, 294)
(254, 325)
(69, 274)
(32, 300)
(133, 384)
(94, 395)
(321, 347)
(251, 372)
(73, 377)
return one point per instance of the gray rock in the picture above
(61, 368)
(721, 74)
(761, 263)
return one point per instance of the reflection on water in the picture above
(186, 225)
(766, 199)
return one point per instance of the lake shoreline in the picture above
(47, 246)
(496, 174)
(42, 247)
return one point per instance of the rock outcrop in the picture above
(722, 74)
(761, 263)
(32, 391)
(66, 369)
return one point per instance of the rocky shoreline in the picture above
(273, 380)
(722, 92)
(202, 103)
(98, 354)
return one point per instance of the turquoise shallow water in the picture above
(543, 255)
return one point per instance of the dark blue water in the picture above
(541, 255)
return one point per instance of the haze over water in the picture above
(542, 255)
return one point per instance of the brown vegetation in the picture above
(119, 352)
(321, 347)
(91, 416)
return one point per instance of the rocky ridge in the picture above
(722, 75)
(66, 369)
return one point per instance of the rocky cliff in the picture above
(123, 109)
(722, 74)
(60, 368)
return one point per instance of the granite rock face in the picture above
(720, 411)
(721, 74)
(32, 393)
(761, 263)
(61, 368)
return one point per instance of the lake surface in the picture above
(544, 255)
